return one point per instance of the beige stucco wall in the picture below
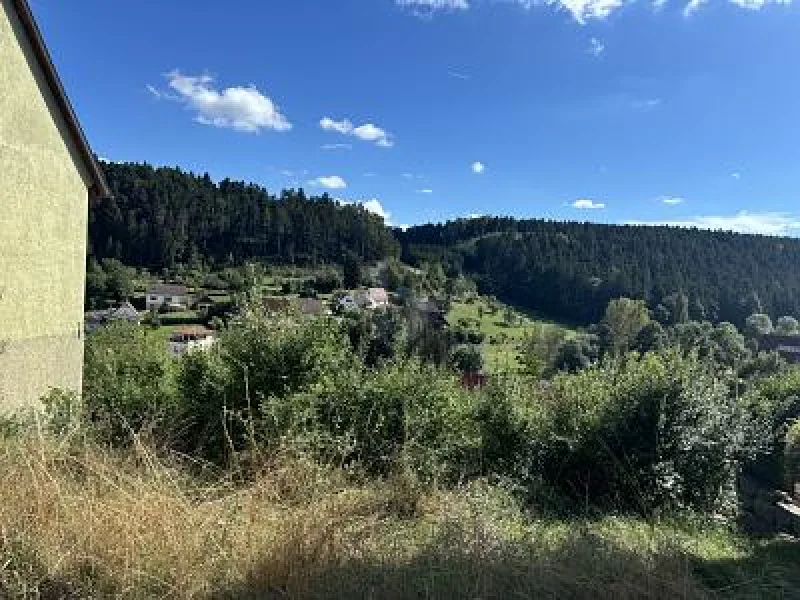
(43, 223)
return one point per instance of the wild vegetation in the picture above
(341, 457)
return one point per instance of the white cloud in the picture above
(344, 127)
(672, 200)
(659, 4)
(425, 191)
(239, 108)
(692, 7)
(596, 47)
(287, 173)
(767, 223)
(588, 205)
(736, 175)
(478, 167)
(374, 206)
(367, 132)
(337, 146)
(457, 75)
(647, 104)
(582, 10)
(475, 215)
(370, 174)
(408, 176)
(331, 182)
(427, 7)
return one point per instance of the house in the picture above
(48, 174)
(374, 298)
(173, 297)
(348, 302)
(311, 307)
(189, 339)
(204, 303)
(124, 312)
(430, 311)
(787, 346)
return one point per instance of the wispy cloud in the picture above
(366, 132)
(647, 104)
(370, 174)
(671, 200)
(457, 75)
(736, 175)
(596, 47)
(337, 146)
(581, 11)
(765, 223)
(586, 204)
(425, 191)
(478, 168)
(331, 182)
(240, 108)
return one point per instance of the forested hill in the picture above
(162, 216)
(571, 270)
(159, 217)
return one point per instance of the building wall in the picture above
(43, 224)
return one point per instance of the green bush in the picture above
(128, 382)
(643, 433)
(256, 362)
(792, 458)
(406, 411)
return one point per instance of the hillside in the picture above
(571, 270)
(161, 217)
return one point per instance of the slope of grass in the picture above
(500, 349)
(79, 522)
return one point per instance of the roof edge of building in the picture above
(99, 185)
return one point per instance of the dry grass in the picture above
(81, 523)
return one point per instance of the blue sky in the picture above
(427, 110)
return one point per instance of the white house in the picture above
(348, 302)
(190, 339)
(374, 298)
(175, 297)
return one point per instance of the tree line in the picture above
(161, 217)
(572, 270)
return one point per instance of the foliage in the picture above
(538, 349)
(128, 381)
(256, 362)
(468, 358)
(624, 320)
(159, 217)
(787, 326)
(570, 271)
(792, 458)
(758, 325)
(644, 433)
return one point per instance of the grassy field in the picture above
(500, 349)
(79, 522)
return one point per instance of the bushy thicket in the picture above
(641, 432)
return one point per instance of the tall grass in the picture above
(77, 521)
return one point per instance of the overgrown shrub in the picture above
(405, 411)
(792, 460)
(642, 433)
(128, 382)
(256, 361)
